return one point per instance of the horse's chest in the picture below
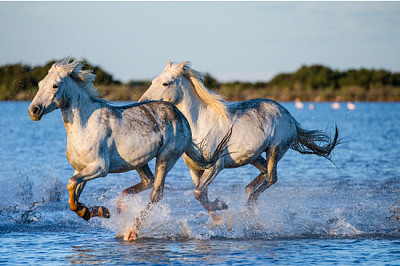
(80, 152)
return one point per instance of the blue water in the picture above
(317, 213)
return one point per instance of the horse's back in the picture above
(265, 113)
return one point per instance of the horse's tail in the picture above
(305, 142)
(197, 154)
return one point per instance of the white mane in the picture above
(206, 96)
(74, 69)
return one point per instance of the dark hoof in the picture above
(218, 205)
(100, 211)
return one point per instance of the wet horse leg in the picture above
(75, 186)
(261, 165)
(201, 193)
(203, 198)
(272, 159)
(147, 179)
(163, 166)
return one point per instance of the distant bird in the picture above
(351, 106)
(335, 105)
(298, 104)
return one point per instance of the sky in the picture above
(247, 41)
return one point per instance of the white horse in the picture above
(104, 139)
(259, 125)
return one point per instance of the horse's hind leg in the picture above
(200, 192)
(264, 181)
(147, 179)
(261, 165)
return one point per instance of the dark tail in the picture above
(306, 142)
(199, 157)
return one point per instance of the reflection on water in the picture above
(99, 248)
(315, 213)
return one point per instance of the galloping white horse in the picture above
(259, 125)
(104, 139)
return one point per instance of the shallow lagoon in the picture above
(316, 213)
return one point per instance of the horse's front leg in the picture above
(75, 186)
(147, 179)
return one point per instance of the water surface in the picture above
(316, 213)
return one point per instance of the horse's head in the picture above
(48, 96)
(170, 86)
(181, 84)
(55, 87)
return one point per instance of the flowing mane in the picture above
(74, 69)
(206, 96)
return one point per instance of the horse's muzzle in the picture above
(35, 112)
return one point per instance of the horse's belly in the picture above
(242, 156)
(120, 166)
(246, 145)
(122, 163)
(132, 150)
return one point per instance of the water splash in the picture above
(337, 209)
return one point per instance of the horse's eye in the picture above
(55, 86)
(165, 84)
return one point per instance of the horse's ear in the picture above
(77, 62)
(180, 66)
(169, 64)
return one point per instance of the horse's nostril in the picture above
(35, 110)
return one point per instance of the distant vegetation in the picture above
(309, 83)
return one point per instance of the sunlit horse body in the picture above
(104, 139)
(259, 125)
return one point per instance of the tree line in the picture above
(308, 83)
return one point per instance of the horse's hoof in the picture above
(130, 235)
(219, 205)
(222, 205)
(119, 235)
(105, 212)
(100, 211)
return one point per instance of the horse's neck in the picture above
(202, 118)
(78, 111)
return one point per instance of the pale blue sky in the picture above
(231, 40)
